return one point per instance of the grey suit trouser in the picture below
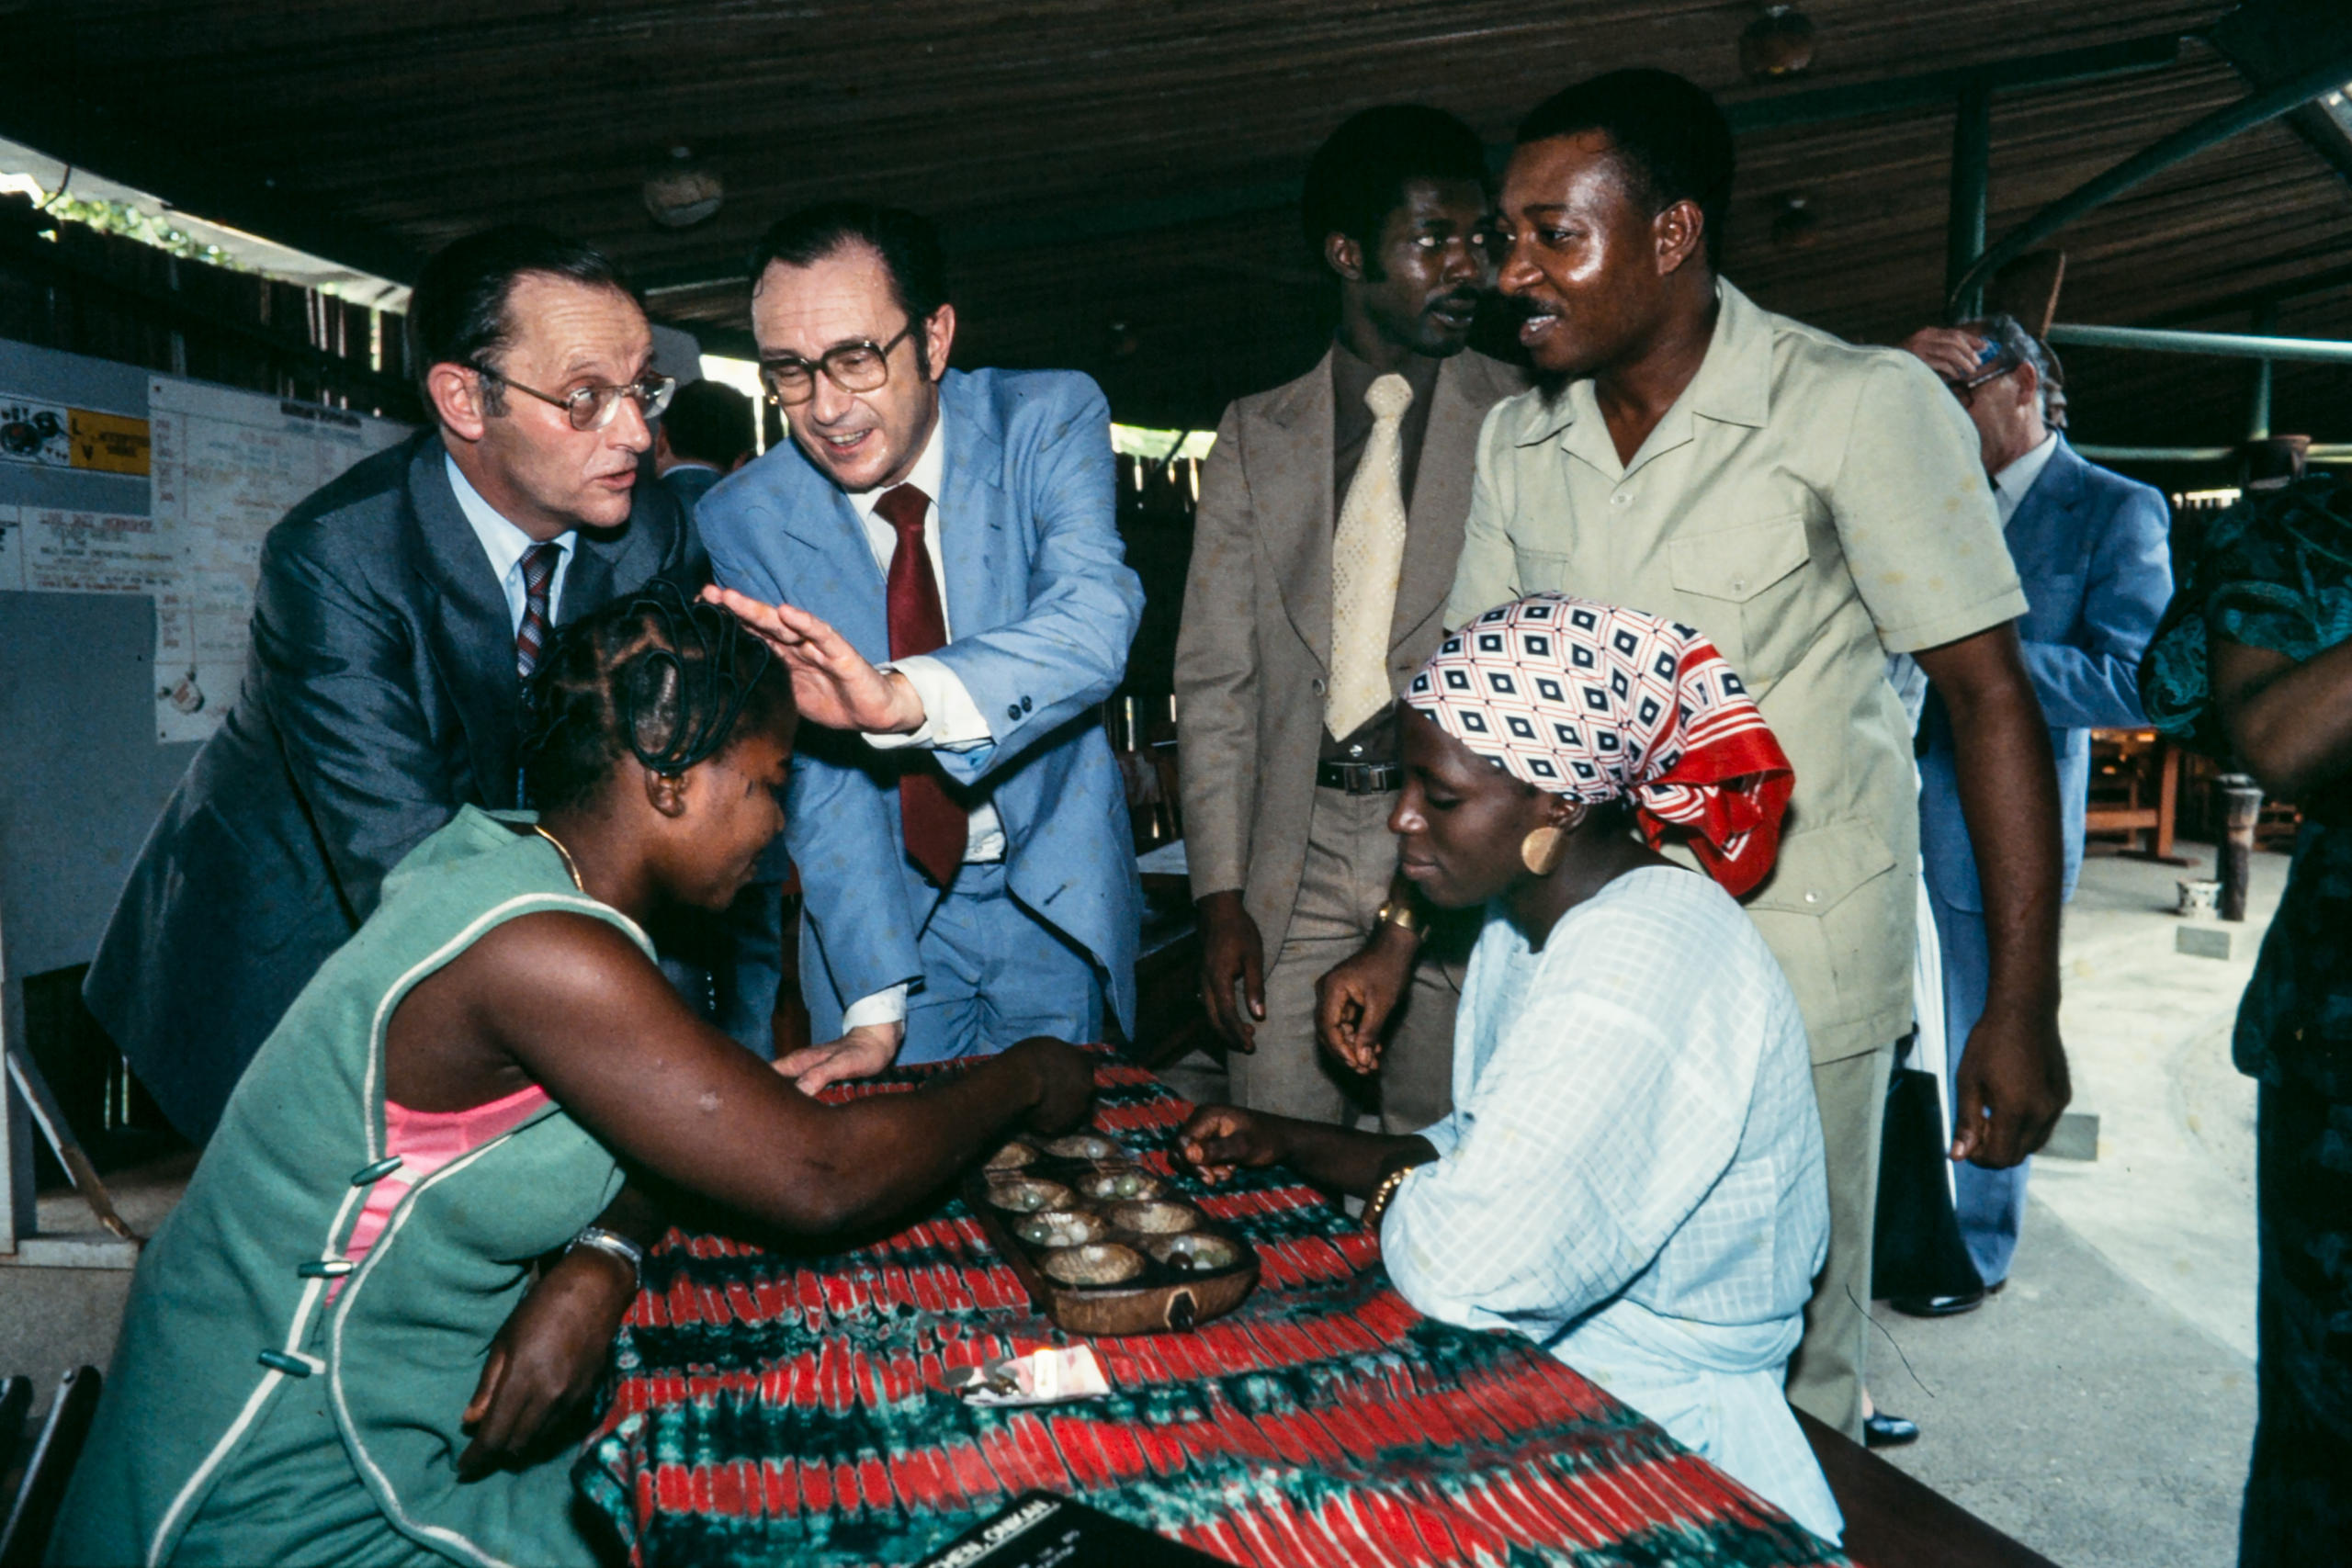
(1350, 856)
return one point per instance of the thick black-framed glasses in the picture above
(591, 407)
(861, 367)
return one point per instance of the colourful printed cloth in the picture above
(781, 1409)
(1597, 703)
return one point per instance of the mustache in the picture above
(1463, 300)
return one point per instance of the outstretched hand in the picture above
(860, 1052)
(547, 1358)
(832, 684)
(1221, 1137)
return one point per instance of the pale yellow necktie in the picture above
(1366, 556)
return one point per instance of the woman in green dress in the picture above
(318, 1362)
(2254, 661)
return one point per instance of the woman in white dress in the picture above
(1632, 1174)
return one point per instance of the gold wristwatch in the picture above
(1401, 913)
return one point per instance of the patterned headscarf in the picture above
(1597, 703)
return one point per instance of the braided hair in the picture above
(658, 675)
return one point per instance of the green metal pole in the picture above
(2209, 345)
(2257, 419)
(1972, 173)
(2177, 148)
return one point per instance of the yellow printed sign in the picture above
(111, 442)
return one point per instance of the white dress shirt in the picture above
(951, 720)
(505, 544)
(1632, 1174)
(2009, 486)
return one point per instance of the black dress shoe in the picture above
(1881, 1430)
(1944, 1306)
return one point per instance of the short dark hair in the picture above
(1357, 177)
(906, 242)
(655, 675)
(1671, 137)
(709, 422)
(457, 313)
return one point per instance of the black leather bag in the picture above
(1917, 1249)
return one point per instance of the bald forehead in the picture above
(567, 330)
(844, 296)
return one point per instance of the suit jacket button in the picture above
(1024, 704)
(1012, 710)
(1316, 685)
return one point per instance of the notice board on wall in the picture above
(132, 509)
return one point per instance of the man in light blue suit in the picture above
(934, 557)
(2092, 550)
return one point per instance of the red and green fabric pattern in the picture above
(776, 1407)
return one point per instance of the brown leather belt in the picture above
(1361, 778)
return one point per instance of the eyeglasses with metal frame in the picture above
(863, 365)
(591, 407)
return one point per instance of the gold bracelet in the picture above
(1400, 913)
(1377, 1204)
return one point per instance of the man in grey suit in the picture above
(1330, 515)
(396, 611)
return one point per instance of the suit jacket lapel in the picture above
(472, 632)
(1441, 497)
(1293, 494)
(2056, 491)
(972, 513)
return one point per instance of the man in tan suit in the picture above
(1330, 518)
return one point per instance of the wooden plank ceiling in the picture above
(1113, 174)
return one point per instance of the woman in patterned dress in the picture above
(2254, 661)
(1632, 1175)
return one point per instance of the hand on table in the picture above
(859, 1053)
(1352, 1002)
(2011, 1086)
(547, 1357)
(1221, 1137)
(1065, 1080)
(1232, 954)
(831, 682)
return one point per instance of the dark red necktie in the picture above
(538, 573)
(936, 827)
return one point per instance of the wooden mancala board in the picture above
(1104, 1245)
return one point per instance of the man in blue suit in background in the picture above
(960, 828)
(2092, 550)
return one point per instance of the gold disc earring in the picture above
(1541, 851)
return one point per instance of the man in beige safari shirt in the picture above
(1811, 506)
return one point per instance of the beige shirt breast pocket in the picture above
(1745, 588)
(1541, 572)
(1841, 922)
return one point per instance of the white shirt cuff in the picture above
(951, 720)
(882, 1006)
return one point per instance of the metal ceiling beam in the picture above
(2211, 345)
(2201, 135)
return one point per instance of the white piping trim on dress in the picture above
(341, 1315)
(295, 1335)
(296, 1332)
(400, 988)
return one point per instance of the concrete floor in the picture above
(2099, 1409)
